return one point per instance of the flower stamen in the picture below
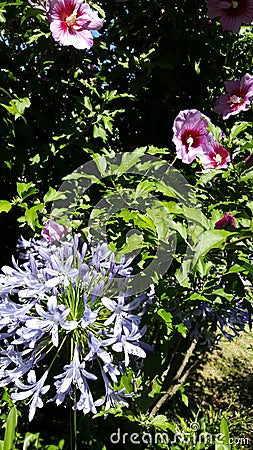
(190, 140)
(235, 99)
(234, 4)
(217, 158)
(71, 20)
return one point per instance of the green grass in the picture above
(223, 385)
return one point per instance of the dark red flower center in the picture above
(190, 138)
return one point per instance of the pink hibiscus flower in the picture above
(232, 13)
(190, 134)
(70, 22)
(227, 220)
(216, 156)
(239, 97)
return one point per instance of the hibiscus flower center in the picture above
(189, 140)
(71, 20)
(235, 99)
(217, 158)
(234, 4)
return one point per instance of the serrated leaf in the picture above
(31, 215)
(53, 195)
(24, 190)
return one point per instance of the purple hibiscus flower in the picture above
(71, 22)
(239, 97)
(232, 13)
(190, 136)
(54, 231)
(216, 157)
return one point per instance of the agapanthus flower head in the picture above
(239, 97)
(190, 136)
(206, 321)
(232, 13)
(71, 22)
(216, 156)
(59, 302)
(227, 220)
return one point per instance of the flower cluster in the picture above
(193, 139)
(206, 323)
(71, 21)
(61, 325)
(232, 13)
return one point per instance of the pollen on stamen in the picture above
(190, 141)
(70, 20)
(218, 158)
(235, 99)
(234, 4)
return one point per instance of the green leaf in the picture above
(5, 206)
(157, 151)
(31, 215)
(17, 107)
(181, 328)
(31, 12)
(133, 242)
(2, 18)
(206, 177)
(99, 132)
(160, 421)
(24, 190)
(166, 316)
(143, 188)
(31, 438)
(10, 432)
(247, 176)
(128, 160)
(53, 195)
(87, 103)
(224, 430)
(237, 129)
(101, 164)
(196, 215)
(208, 240)
(216, 131)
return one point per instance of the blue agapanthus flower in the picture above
(68, 325)
(208, 323)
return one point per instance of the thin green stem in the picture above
(73, 413)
